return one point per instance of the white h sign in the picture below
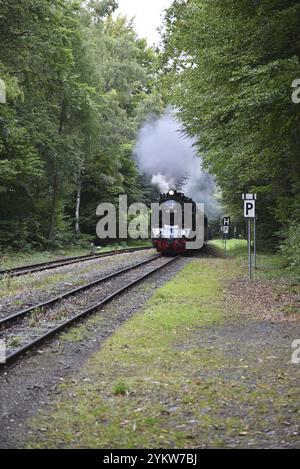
(226, 221)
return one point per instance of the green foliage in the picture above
(229, 68)
(290, 247)
(120, 389)
(76, 81)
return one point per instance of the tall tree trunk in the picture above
(54, 206)
(55, 192)
(77, 211)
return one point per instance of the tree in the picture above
(229, 68)
(79, 84)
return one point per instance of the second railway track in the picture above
(30, 328)
(50, 265)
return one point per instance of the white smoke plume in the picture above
(164, 183)
(170, 158)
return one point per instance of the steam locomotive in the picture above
(174, 230)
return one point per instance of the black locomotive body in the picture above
(174, 231)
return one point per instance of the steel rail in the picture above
(53, 332)
(29, 269)
(25, 312)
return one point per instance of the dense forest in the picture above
(229, 67)
(80, 83)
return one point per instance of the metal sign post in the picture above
(226, 231)
(255, 243)
(226, 227)
(249, 213)
(249, 250)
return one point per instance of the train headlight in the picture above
(171, 193)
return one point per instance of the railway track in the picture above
(29, 269)
(32, 327)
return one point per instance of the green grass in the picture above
(153, 351)
(235, 247)
(10, 286)
(120, 389)
(269, 266)
(14, 341)
(155, 376)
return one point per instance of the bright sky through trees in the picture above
(148, 16)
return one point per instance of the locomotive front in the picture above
(172, 232)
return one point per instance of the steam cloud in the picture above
(163, 182)
(169, 157)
